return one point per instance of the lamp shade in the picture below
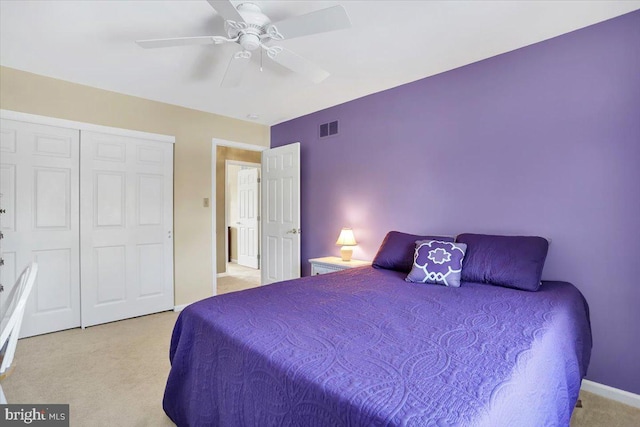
(346, 238)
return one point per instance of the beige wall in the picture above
(223, 154)
(35, 94)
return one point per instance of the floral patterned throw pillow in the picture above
(437, 262)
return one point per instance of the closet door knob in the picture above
(3, 211)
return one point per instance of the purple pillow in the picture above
(510, 261)
(437, 262)
(396, 250)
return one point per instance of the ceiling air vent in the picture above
(329, 129)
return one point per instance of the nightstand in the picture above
(333, 263)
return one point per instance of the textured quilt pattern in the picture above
(362, 347)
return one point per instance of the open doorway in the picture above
(280, 261)
(242, 226)
(221, 152)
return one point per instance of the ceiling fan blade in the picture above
(226, 9)
(180, 41)
(236, 68)
(297, 63)
(320, 21)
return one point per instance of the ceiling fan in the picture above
(247, 26)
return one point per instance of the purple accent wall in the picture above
(544, 140)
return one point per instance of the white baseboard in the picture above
(180, 307)
(234, 261)
(612, 393)
(225, 274)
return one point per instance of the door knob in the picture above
(292, 231)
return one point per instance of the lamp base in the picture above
(346, 252)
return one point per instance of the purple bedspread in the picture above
(362, 347)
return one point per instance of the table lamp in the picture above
(347, 240)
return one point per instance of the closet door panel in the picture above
(54, 292)
(126, 226)
(110, 278)
(39, 181)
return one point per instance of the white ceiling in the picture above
(391, 43)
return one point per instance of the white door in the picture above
(126, 227)
(248, 182)
(39, 186)
(281, 213)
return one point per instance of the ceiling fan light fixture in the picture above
(249, 41)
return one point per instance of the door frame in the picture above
(215, 142)
(226, 200)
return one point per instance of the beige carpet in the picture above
(598, 411)
(114, 375)
(238, 278)
(110, 375)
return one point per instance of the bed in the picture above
(362, 347)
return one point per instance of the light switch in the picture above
(205, 202)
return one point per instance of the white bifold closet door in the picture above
(126, 227)
(39, 186)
